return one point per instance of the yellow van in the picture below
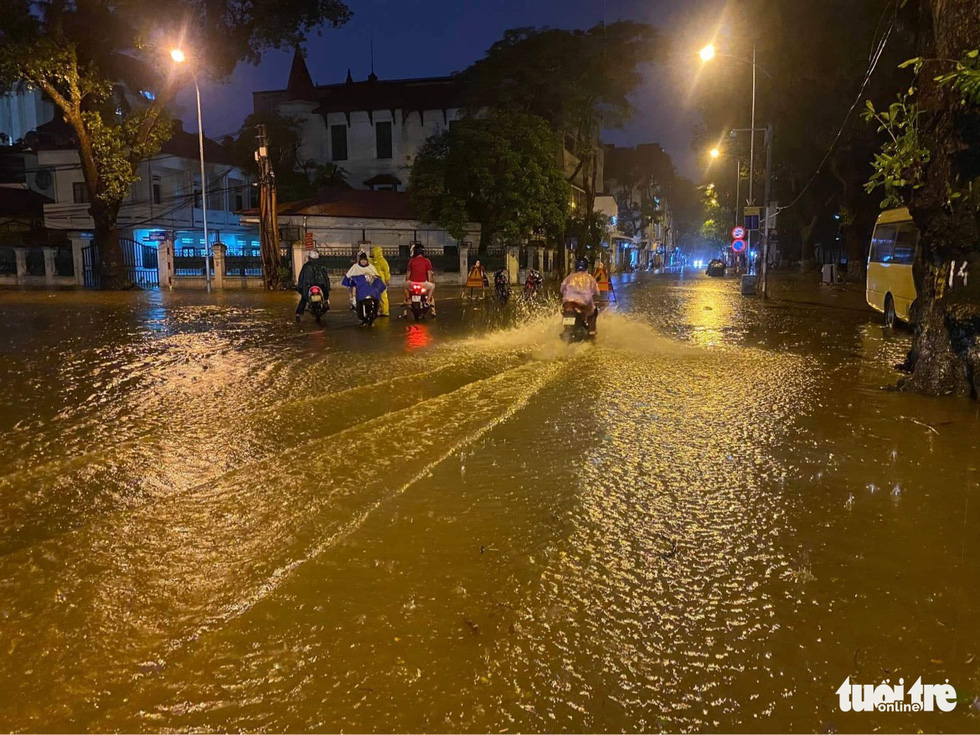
(891, 289)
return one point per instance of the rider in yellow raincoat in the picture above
(381, 266)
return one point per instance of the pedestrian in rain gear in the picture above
(313, 273)
(381, 266)
(363, 280)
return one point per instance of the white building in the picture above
(164, 203)
(23, 109)
(372, 129)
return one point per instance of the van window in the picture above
(883, 244)
(905, 239)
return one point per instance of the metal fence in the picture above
(8, 262)
(493, 260)
(247, 263)
(189, 262)
(64, 262)
(35, 261)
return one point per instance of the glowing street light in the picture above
(708, 53)
(180, 57)
(714, 153)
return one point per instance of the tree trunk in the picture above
(111, 264)
(857, 239)
(486, 237)
(945, 355)
(807, 241)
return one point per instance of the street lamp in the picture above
(707, 54)
(714, 153)
(179, 57)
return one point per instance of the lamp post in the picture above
(180, 57)
(707, 54)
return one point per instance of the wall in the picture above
(407, 135)
(23, 111)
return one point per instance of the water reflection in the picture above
(212, 518)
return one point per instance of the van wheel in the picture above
(889, 312)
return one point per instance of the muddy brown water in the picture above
(214, 519)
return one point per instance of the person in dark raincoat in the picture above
(313, 273)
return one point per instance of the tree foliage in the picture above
(500, 171)
(579, 81)
(92, 60)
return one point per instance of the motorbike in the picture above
(532, 284)
(367, 311)
(419, 301)
(317, 301)
(501, 286)
(575, 323)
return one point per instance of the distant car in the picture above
(716, 267)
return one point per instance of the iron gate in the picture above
(139, 260)
(91, 272)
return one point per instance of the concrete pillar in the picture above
(165, 264)
(299, 257)
(49, 266)
(464, 263)
(513, 263)
(220, 250)
(20, 258)
(540, 250)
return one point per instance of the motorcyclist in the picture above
(579, 289)
(313, 273)
(363, 280)
(420, 271)
(381, 266)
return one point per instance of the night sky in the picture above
(414, 38)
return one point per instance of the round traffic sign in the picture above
(738, 233)
(738, 245)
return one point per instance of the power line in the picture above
(874, 58)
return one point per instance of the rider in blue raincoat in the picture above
(363, 280)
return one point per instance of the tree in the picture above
(500, 171)
(92, 60)
(715, 227)
(579, 81)
(931, 163)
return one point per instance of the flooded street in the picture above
(212, 518)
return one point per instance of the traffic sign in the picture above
(738, 246)
(309, 241)
(738, 233)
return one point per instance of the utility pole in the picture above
(765, 222)
(268, 221)
(748, 260)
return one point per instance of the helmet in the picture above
(582, 264)
(314, 255)
(362, 256)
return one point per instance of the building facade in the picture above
(372, 128)
(165, 203)
(22, 110)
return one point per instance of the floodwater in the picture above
(212, 518)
